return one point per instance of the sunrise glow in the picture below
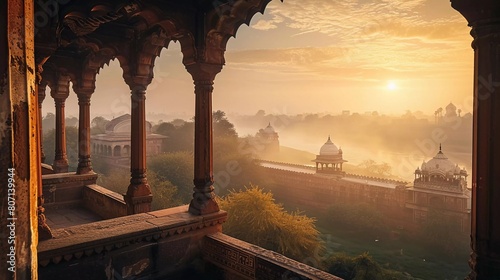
(391, 85)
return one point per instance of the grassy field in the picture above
(395, 254)
(391, 253)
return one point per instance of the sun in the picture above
(391, 85)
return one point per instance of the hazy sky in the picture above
(316, 56)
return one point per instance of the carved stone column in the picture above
(203, 201)
(19, 149)
(138, 196)
(44, 231)
(41, 96)
(60, 91)
(84, 163)
(484, 18)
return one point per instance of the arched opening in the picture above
(126, 150)
(117, 151)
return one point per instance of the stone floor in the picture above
(69, 216)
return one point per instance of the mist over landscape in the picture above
(346, 102)
(402, 141)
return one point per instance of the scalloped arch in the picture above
(138, 65)
(227, 25)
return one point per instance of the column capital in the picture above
(478, 12)
(41, 92)
(138, 89)
(60, 87)
(60, 100)
(84, 99)
(84, 95)
(83, 91)
(203, 72)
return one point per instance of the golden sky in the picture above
(320, 56)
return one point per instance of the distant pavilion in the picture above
(329, 160)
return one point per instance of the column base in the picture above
(44, 232)
(203, 201)
(138, 199)
(84, 170)
(84, 165)
(483, 268)
(60, 166)
(42, 155)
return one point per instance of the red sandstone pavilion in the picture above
(58, 41)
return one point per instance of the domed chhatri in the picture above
(269, 139)
(329, 160)
(329, 149)
(442, 174)
(269, 129)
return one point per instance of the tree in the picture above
(222, 127)
(360, 216)
(48, 122)
(49, 140)
(116, 180)
(253, 216)
(180, 138)
(372, 168)
(362, 267)
(98, 125)
(163, 191)
(443, 234)
(178, 169)
(165, 128)
(71, 121)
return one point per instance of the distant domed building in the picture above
(441, 174)
(113, 146)
(269, 138)
(329, 160)
(451, 111)
(441, 184)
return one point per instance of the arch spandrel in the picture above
(221, 22)
(137, 61)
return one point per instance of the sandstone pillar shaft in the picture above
(84, 163)
(203, 201)
(138, 196)
(60, 91)
(19, 143)
(484, 18)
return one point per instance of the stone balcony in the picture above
(165, 244)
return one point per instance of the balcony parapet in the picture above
(242, 260)
(129, 246)
(105, 203)
(65, 188)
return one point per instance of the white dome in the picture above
(424, 165)
(329, 149)
(451, 106)
(440, 164)
(269, 129)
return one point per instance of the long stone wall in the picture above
(320, 192)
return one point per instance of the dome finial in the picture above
(439, 147)
(329, 137)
